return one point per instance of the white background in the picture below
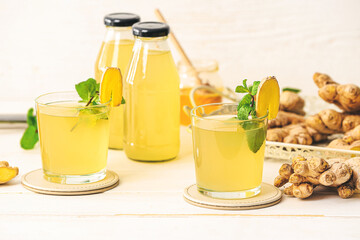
(49, 45)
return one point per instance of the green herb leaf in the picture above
(245, 100)
(244, 111)
(241, 89)
(123, 101)
(250, 88)
(255, 88)
(30, 118)
(244, 83)
(30, 136)
(87, 89)
(256, 138)
(295, 90)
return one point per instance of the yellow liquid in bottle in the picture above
(152, 115)
(70, 145)
(223, 160)
(114, 54)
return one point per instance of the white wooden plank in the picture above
(178, 228)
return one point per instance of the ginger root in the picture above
(295, 133)
(342, 144)
(284, 119)
(345, 96)
(306, 174)
(352, 135)
(292, 102)
(7, 173)
(329, 121)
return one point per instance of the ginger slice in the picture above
(6, 172)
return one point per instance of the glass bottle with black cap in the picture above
(152, 109)
(116, 51)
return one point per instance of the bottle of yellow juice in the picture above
(152, 94)
(116, 51)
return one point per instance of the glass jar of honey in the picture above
(207, 71)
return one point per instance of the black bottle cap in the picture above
(150, 29)
(121, 19)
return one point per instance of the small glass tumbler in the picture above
(228, 153)
(74, 138)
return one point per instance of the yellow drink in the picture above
(152, 116)
(73, 144)
(114, 54)
(228, 155)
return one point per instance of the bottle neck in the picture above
(154, 44)
(118, 33)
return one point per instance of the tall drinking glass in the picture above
(73, 138)
(228, 153)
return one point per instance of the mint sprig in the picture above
(30, 136)
(247, 108)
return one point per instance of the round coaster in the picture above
(268, 196)
(35, 181)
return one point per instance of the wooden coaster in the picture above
(35, 181)
(268, 196)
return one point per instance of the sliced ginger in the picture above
(6, 172)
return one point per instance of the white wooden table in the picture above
(148, 204)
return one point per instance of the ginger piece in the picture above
(354, 164)
(285, 172)
(303, 190)
(6, 172)
(346, 190)
(292, 102)
(295, 133)
(350, 121)
(284, 119)
(342, 144)
(329, 121)
(345, 96)
(352, 135)
(315, 135)
(311, 169)
(276, 134)
(322, 80)
(336, 175)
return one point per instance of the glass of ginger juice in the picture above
(228, 153)
(73, 138)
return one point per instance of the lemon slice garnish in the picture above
(111, 86)
(268, 98)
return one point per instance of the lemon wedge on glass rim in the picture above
(111, 87)
(268, 98)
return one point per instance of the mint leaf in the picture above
(250, 88)
(295, 90)
(244, 83)
(244, 111)
(255, 88)
(245, 100)
(30, 136)
(30, 118)
(241, 89)
(256, 138)
(87, 89)
(123, 101)
(255, 135)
